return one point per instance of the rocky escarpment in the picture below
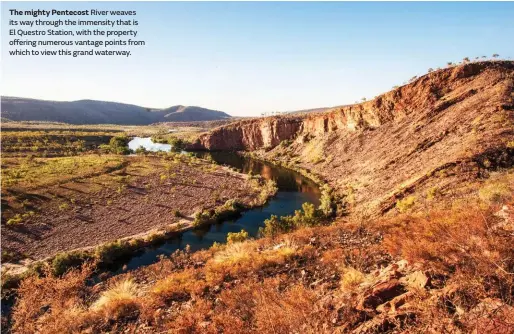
(428, 95)
(456, 121)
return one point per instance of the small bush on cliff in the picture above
(233, 237)
(495, 192)
(403, 205)
(327, 206)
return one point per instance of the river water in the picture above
(293, 190)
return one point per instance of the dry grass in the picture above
(118, 301)
(309, 281)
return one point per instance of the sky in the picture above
(248, 58)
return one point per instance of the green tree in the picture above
(119, 145)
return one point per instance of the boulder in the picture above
(381, 293)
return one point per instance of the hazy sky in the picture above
(248, 58)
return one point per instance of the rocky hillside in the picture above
(101, 112)
(447, 126)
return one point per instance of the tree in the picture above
(465, 60)
(430, 70)
(363, 99)
(496, 55)
(449, 63)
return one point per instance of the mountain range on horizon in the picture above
(101, 112)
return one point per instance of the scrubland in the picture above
(431, 269)
(414, 233)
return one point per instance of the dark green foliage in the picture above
(177, 144)
(327, 206)
(117, 145)
(308, 216)
(141, 150)
(230, 209)
(110, 252)
(62, 262)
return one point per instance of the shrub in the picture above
(63, 262)
(233, 237)
(327, 206)
(177, 214)
(141, 150)
(308, 216)
(110, 252)
(117, 145)
(64, 206)
(403, 205)
(177, 286)
(275, 225)
(351, 278)
(118, 301)
(17, 219)
(432, 193)
(177, 144)
(494, 192)
(230, 209)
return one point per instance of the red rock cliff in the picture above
(424, 96)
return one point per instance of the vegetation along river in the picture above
(294, 189)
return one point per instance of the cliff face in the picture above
(385, 148)
(428, 95)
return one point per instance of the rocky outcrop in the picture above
(422, 97)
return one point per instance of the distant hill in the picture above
(101, 112)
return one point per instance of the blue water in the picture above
(294, 190)
(148, 144)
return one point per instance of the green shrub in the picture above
(307, 216)
(17, 219)
(432, 193)
(327, 206)
(177, 144)
(62, 262)
(495, 192)
(233, 237)
(403, 205)
(203, 217)
(177, 214)
(230, 209)
(110, 252)
(275, 226)
(117, 145)
(141, 150)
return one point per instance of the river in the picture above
(294, 189)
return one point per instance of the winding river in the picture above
(293, 190)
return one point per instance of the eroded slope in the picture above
(448, 126)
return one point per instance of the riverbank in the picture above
(134, 198)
